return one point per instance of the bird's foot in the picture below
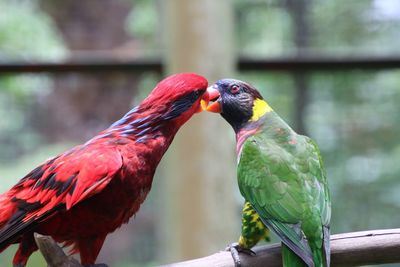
(235, 249)
(97, 265)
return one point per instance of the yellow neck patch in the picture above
(260, 107)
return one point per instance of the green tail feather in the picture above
(290, 259)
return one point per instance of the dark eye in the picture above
(234, 89)
(195, 95)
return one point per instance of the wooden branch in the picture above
(349, 249)
(53, 254)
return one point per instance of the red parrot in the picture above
(87, 192)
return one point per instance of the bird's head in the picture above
(237, 101)
(177, 97)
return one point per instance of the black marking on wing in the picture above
(45, 182)
(35, 174)
(72, 188)
(23, 208)
(67, 184)
(38, 172)
(51, 182)
(15, 227)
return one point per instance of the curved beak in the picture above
(212, 95)
(205, 99)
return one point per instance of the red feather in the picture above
(83, 194)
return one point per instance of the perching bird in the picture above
(83, 194)
(280, 173)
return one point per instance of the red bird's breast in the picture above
(116, 203)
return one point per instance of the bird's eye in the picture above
(234, 89)
(195, 95)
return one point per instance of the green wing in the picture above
(319, 173)
(286, 184)
(317, 170)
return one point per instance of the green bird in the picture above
(280, 174)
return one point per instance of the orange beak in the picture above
(203, 102)
(213, 95)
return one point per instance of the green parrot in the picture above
(280, 174)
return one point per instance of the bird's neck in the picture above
(249, 129)
(144, 134)
(144, 124)
(259, 111)
(268, 123)
(260, 108)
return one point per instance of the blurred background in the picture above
(68, 69)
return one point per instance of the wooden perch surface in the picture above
(349, 249)
(53, 254)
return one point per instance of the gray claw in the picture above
(235, 254)
(235, 249)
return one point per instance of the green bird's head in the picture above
(238, 102)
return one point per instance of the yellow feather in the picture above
(260, 107)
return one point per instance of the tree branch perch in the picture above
(53, 254)
(349, 249)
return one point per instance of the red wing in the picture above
(58, 184)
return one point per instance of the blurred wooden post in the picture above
(299, 10)
(201, 212)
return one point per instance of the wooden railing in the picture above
(349, 249)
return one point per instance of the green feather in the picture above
(290, 259)
(253, 229)
(281, 174)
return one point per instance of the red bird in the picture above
(85, 193)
